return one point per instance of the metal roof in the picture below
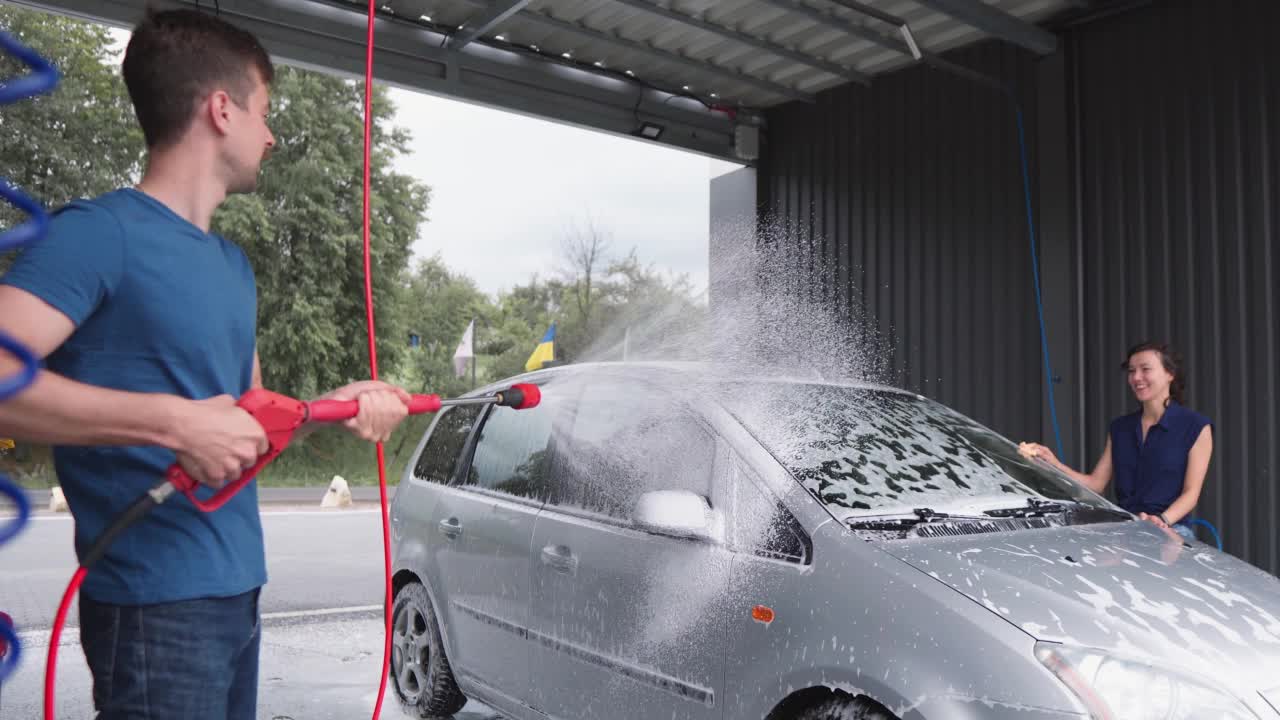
(752, 53)
(699, 71)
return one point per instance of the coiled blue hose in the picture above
(42, 79)
(1217, 539)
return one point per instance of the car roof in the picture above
(676, 372)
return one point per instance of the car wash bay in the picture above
(1151, 134)
(1149, 130)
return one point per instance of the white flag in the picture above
(464, 353)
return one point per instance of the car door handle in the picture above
(560, 557)
(451, 528)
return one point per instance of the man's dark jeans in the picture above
(196, 660)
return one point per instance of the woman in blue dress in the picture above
(1158, 455)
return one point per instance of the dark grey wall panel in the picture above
(1179, 120)
(905, 199)
(1155, 138)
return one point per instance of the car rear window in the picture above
(439, 459)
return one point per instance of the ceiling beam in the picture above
(330, 37)
(700, 66)
(998, 23)
(888, 42)
(496, 14)
(795, 55)
(835, 22)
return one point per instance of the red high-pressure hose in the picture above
(139, 509)
(373, 361)
(280, 417)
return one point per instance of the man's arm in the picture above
(213, 438)
(56, 410)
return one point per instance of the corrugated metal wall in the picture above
(909, 194)
(1166, 203)
(1179, 173)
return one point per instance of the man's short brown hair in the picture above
(176, 57)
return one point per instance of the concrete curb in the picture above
(268, 496)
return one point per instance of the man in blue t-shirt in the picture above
(146, 324)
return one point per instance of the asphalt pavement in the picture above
(322, 616)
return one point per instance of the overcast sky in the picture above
(506, 187)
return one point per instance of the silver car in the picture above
(657, 542)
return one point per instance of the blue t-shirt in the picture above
(159, 307)
(1149, 476)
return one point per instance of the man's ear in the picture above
(218, 108)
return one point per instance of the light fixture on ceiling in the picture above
(649, 131)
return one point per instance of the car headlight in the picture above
(1114, 688)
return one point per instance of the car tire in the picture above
(420, 672)
(843, 707)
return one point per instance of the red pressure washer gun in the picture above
(281, 417)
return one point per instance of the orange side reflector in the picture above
(763, 614)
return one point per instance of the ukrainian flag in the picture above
(545, 351)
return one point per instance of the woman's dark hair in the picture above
(1172, 364)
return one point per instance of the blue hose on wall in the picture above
(42, 79)
(1035, 271)
(1003, 88)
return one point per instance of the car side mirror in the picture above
(678, 513)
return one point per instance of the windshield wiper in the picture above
(922, 515)
(1036, 507)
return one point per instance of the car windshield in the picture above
(865, 452)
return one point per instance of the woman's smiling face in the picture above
(1148, 378)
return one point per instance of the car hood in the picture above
(1131, 588)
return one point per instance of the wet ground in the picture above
(313, 668)
(322, 622)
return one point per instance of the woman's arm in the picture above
(1193, 483)
(1096, 481)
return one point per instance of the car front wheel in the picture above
(420, 672)
(843, 707)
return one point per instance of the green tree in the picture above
(79, 140)
(438, 306)
(602, 307)
(524, 313)
(302, 232)
(655, 316)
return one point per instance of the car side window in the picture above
(616, 450)
(511, 454)
(761, 525)
(439, 459)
